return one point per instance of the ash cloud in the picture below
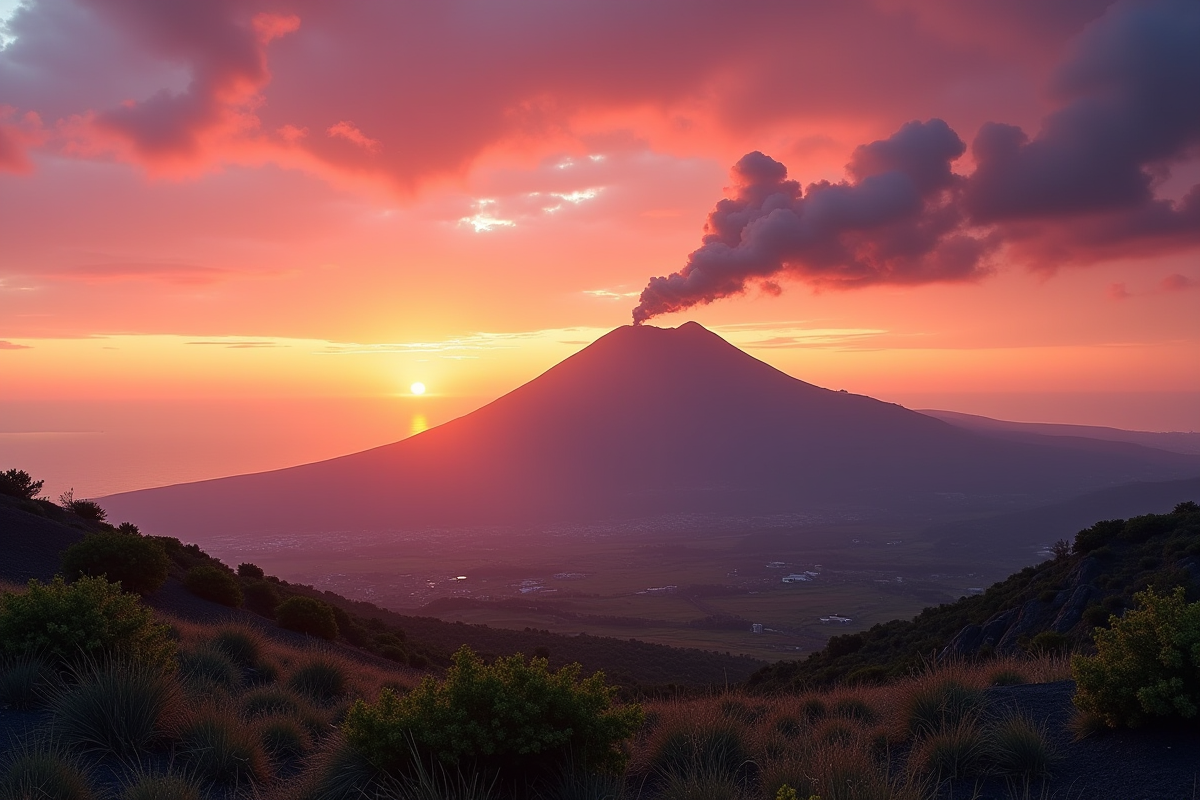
(898, 220)
(1082, 190)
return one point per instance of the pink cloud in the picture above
(18, 133)
(13, 346)
(350, 132)
(1118, 291)
(190, 274)
(1177, 283)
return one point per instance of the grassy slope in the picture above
(34, 533)
(1115, 559)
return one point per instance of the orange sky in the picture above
(232, 234)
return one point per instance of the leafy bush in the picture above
(88, 619)
(307, 615)
(84, 509)
(19, 483)
(120, 709)
(260, 597)
(248, 570)
(512, 714)
(137, 563)
(1049, 642)
(215, 584)
(1098, 535)
(1147, 665)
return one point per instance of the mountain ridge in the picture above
(644, 421)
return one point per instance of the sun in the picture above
(417, 388)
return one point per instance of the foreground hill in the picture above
(1051, 606)
(33, 534)
(649, 421)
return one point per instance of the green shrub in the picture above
(19, 483)
(88, 510)
(40, 770)
(247, 570)
(215, 584)
(218, 748)
(1147, 665)
(320, 679)
(120, 709)
(137, 563)
(514, 714)
(163, 787)
(260, 597)
(307, 615)
(88, 619)
(1098, 535)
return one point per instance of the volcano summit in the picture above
(648, 421)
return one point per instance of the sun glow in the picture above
(417, 388)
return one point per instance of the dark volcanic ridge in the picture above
(648, 421)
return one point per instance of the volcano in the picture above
(649, 421)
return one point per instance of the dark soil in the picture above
(1143, 764)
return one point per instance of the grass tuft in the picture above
(163, 787)
(42, 770)
(242, 645)
(119, 708)
(269, 701)
(955, 750)
(934, 704)
(321, 679)
(1019, 748)
(220, 749)
(26, 682)
(207, 669)
(284, 737)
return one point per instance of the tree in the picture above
(84, 509)
(137, 563)
(19, 483)
(307, 615)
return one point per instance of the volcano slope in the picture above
(649, 421)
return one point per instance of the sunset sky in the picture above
(234, 232)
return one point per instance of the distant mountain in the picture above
(648, 421)
(1174, 441)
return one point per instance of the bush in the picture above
(89, 510)
(307, 615)
(1049, 642)
(42, 771)
(1147, 665)
(215, 584)
(88, 619)
(248, 570)
(260, 597)
(118, 709)
(1098, 535)
(321, 680)
(512, 714)
(284, 737)
(19, 483)
(138, 564)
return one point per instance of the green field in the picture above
(702, 587)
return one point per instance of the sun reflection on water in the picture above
(419, 425)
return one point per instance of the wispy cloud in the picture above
(13, 346)
(240, 344)
(167, 272)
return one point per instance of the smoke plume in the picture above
(1082, 190)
